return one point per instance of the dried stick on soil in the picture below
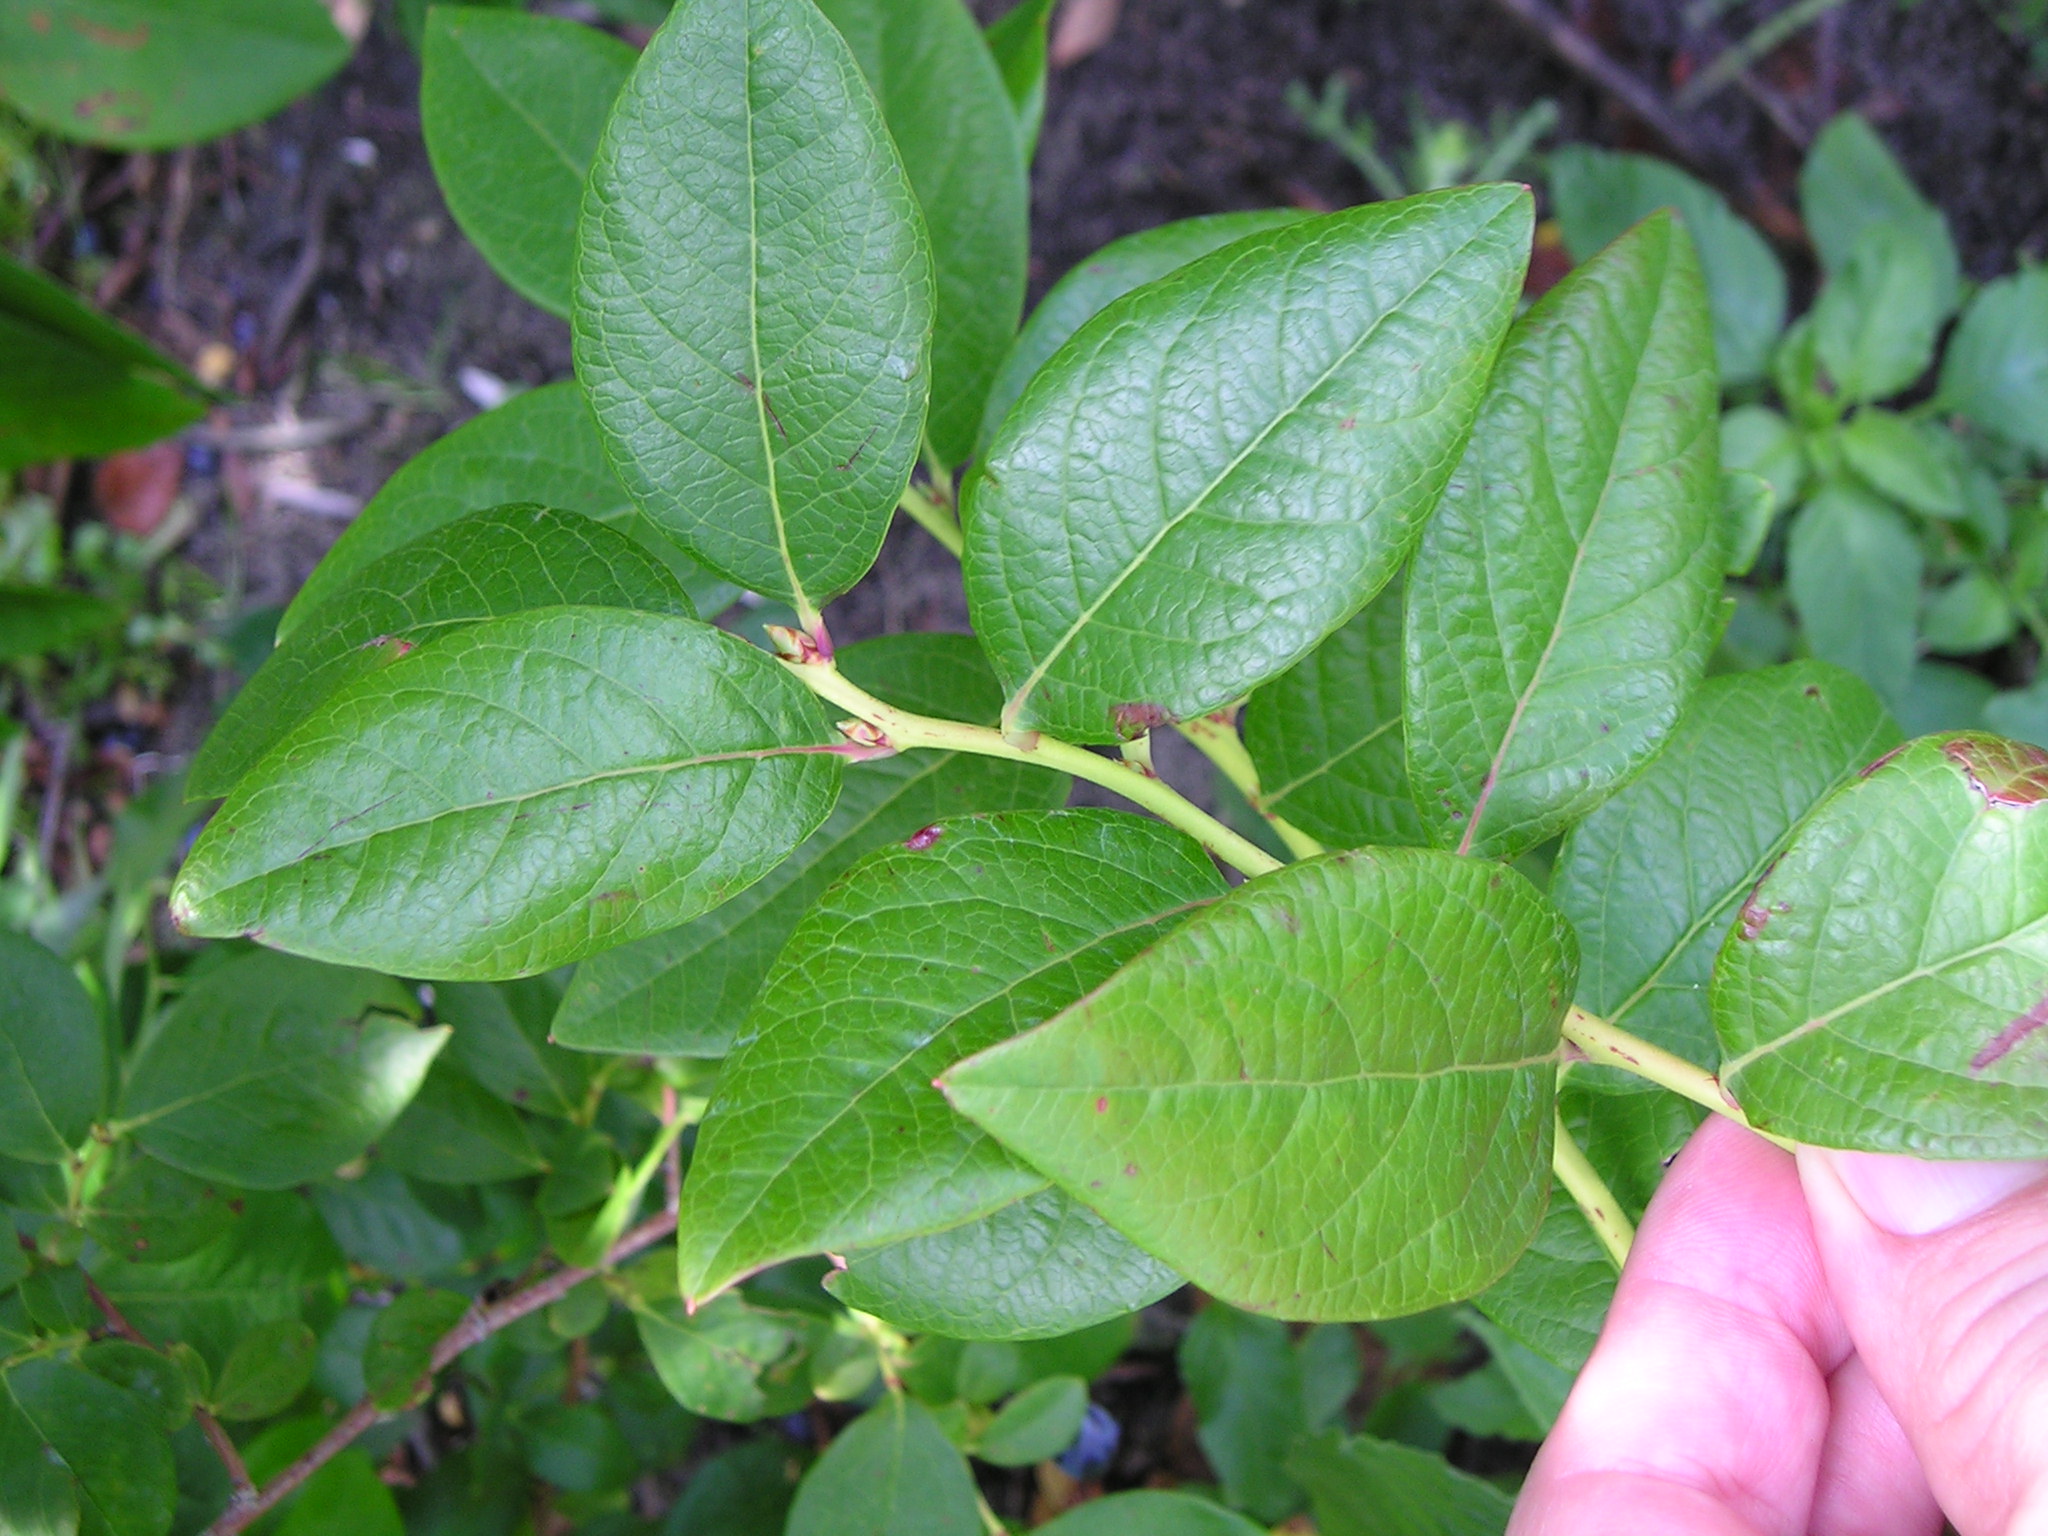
(479, 1325)
(223, 1447)
(1591, 60)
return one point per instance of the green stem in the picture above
(934, 518)
(900, 730)
(1216, 737)
(1595, 1200)
(1608, 1046)
(1739, 56)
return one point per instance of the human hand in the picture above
(1841, 1345)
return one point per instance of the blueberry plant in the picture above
(1521, 891)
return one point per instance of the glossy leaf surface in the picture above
(892, 1472)
(949, 112)
(1565, 597)
(1109, 274)
(1041, 1266)
(1651, 880)
(501, 1040)
(1327, 740)
(825, 1132)
(487, 565)
(53, 1054)
(519, 794)
(512, 106)
(687, 992)
(754, 305)
(727, 1360)
(1035, 1425)
(1885, 986)
(1600, 194)
(72, 1446)
(271, 1071)
(149, 74)
(76, 383)
(539, 446)
(1018, 39)
(1293, 1131)
(1222, 466)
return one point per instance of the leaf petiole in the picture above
(1589, 1191)
(934, 517)
(1603, 1043)
(1216, 737)
(882, 724)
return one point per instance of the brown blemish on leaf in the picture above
(1895, 751)
(2001, 1044)
(923, 838)
(1134, 720)
(107, 37)
(1130, 1170)
(1347, 423)
(39, 23)
(2008, 773)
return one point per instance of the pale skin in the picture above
(1816, 1344)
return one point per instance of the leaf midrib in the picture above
(1557, 629)
(1230, 1085)
(1273, 797)
(1167, 527)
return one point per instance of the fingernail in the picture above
(1912, 1198)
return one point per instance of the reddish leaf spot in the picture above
(2008, 773)
(39, 23)
(923, 838)
(2001, 1044)
(1134, 720)
(1102, 1106)
(1895, 751)
(1130, 1170)
(1347, 423)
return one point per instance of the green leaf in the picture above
(1017, 39)
(1651, 880)
(456, 1132)
(1757, 439)
(344, 1498)
(1886, 985)
(538, 446)
(516, 795)
(892, 1472)
(1875, 323)
(729, 1359)
(578, 1448)
(149, 74)
(1850, 184)
(1036, 1425)
(265, 1371)
(501, 1040)
(270, 1071)
(948, 110)
(487, 565)
(1852, 567)
(1600, 195)
(76, 383)
(825, 1133)
(1995, 369)
(276, 1257)
(1748, 507)
(157, 1378)
(745, 1491)
(1149, 1512)
(1244, 1379)
(36, 621)
(1566, 595)
(1945, 697)
(53, 1054)
(97, 1451)
(512, 106)
(383, 1225)
(1326, 736)
(1556, 1297)
(2021, 713)
(152, 1213)
(686, 992)
(1038, 1267)
(399, 1358)
(1968, 615)
(1224, 465)
(1238, 1103)
(1366, 1487)
(754, 304)
(1109, 274)
(1914, 465)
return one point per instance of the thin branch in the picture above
(229, 1453)
(935, 518)
(1606, 1045)
(1217, 738)
(478, 1325)
(672, 1155)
